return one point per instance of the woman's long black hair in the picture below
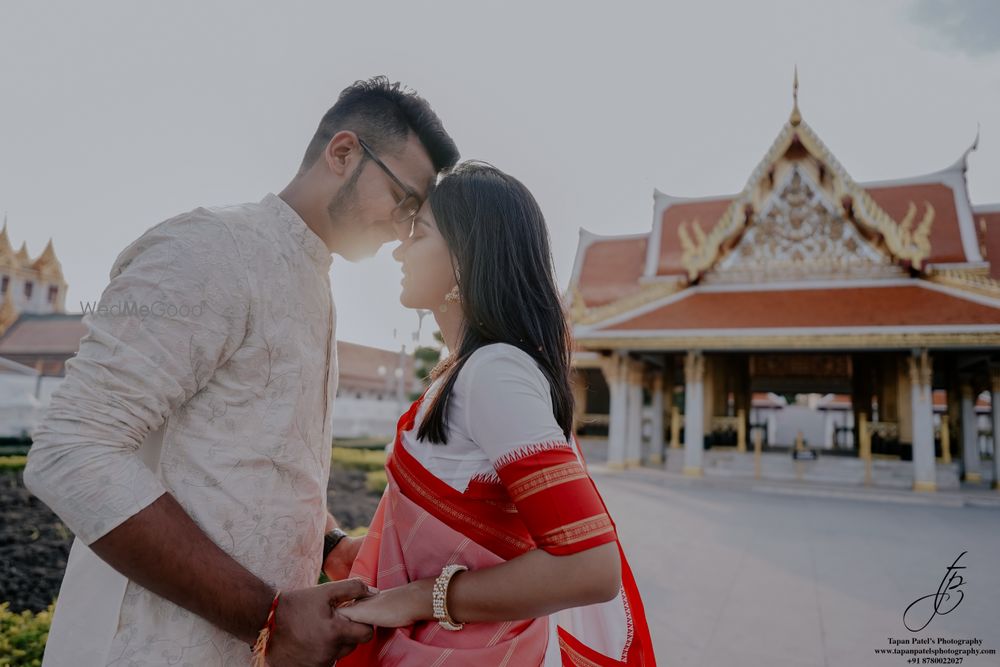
(498, 239)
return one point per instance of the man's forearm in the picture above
(163, 550)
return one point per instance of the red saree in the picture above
(541, 497)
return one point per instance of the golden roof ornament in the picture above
(47, 258)
(22, 255)
(5, 247)
(578, 307)
(796, 116)
(8, 315)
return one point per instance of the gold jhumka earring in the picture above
(451, 297)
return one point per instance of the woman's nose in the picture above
(397, 252)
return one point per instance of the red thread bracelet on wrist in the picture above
(259, 648)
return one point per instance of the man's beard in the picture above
(345, 199)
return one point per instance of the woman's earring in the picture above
(451, 297)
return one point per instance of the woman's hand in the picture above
(338, 564)
(394, 608)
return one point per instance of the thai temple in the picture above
(878, 303)
(27, 285)
(35, 330)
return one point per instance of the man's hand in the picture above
(308, 630)
(338, 564)
(395, 607)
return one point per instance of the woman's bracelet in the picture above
(440, 596)
(259, 649)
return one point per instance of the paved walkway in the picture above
(745, 573)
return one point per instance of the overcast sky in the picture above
(117, 115)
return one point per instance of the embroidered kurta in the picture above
(208, 371)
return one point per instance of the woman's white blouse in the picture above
(500, 406)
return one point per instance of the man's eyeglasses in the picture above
(411, 202)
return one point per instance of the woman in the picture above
(484, 472)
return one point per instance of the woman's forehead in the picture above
(425, 217)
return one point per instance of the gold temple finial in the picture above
(48, 256)
(796, 117)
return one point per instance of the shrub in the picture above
(363, 443)
(376, 481)
(359, 459)
(23, 635)
(13, 464)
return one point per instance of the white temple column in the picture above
(633, 440)
(995, 410)
(694, 405)
(922, 413)
(614, 373)
(903, 393)
(970, 433)
(656, 445)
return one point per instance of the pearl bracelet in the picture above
(440, 596)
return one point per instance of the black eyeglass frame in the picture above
(403, 212)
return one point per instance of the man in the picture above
(188, 448)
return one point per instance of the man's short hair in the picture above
(383, 114)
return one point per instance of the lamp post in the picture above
(400, 371)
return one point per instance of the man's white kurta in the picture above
(208, 372)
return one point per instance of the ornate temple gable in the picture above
(801, 233)
(905, 242)
(798, 150)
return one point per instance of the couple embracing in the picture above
(188, 449)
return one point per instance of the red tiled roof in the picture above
(839, 400)
(762, 399)
(359, 366)
(611, 269)
(706, 212)
(833, 307)
(945, 237)
(940, 400)
(44, 334)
